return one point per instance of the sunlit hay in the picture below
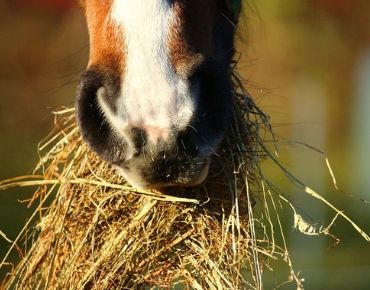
(99, 233)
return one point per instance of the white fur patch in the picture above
(153, 97)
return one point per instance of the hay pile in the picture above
(100, 233)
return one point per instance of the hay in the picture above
(100, 233)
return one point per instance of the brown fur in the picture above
(106, 43)
(190, 40)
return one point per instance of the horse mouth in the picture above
(165, 177)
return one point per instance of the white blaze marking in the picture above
(153, 96)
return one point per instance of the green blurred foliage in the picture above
(302, 60)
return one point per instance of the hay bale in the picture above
(100, 233)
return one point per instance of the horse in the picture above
(155, 99)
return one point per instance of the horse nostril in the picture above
(138, 140)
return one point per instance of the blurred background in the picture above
(307, 65)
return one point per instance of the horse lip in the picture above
(187, 181)
(201, 176)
